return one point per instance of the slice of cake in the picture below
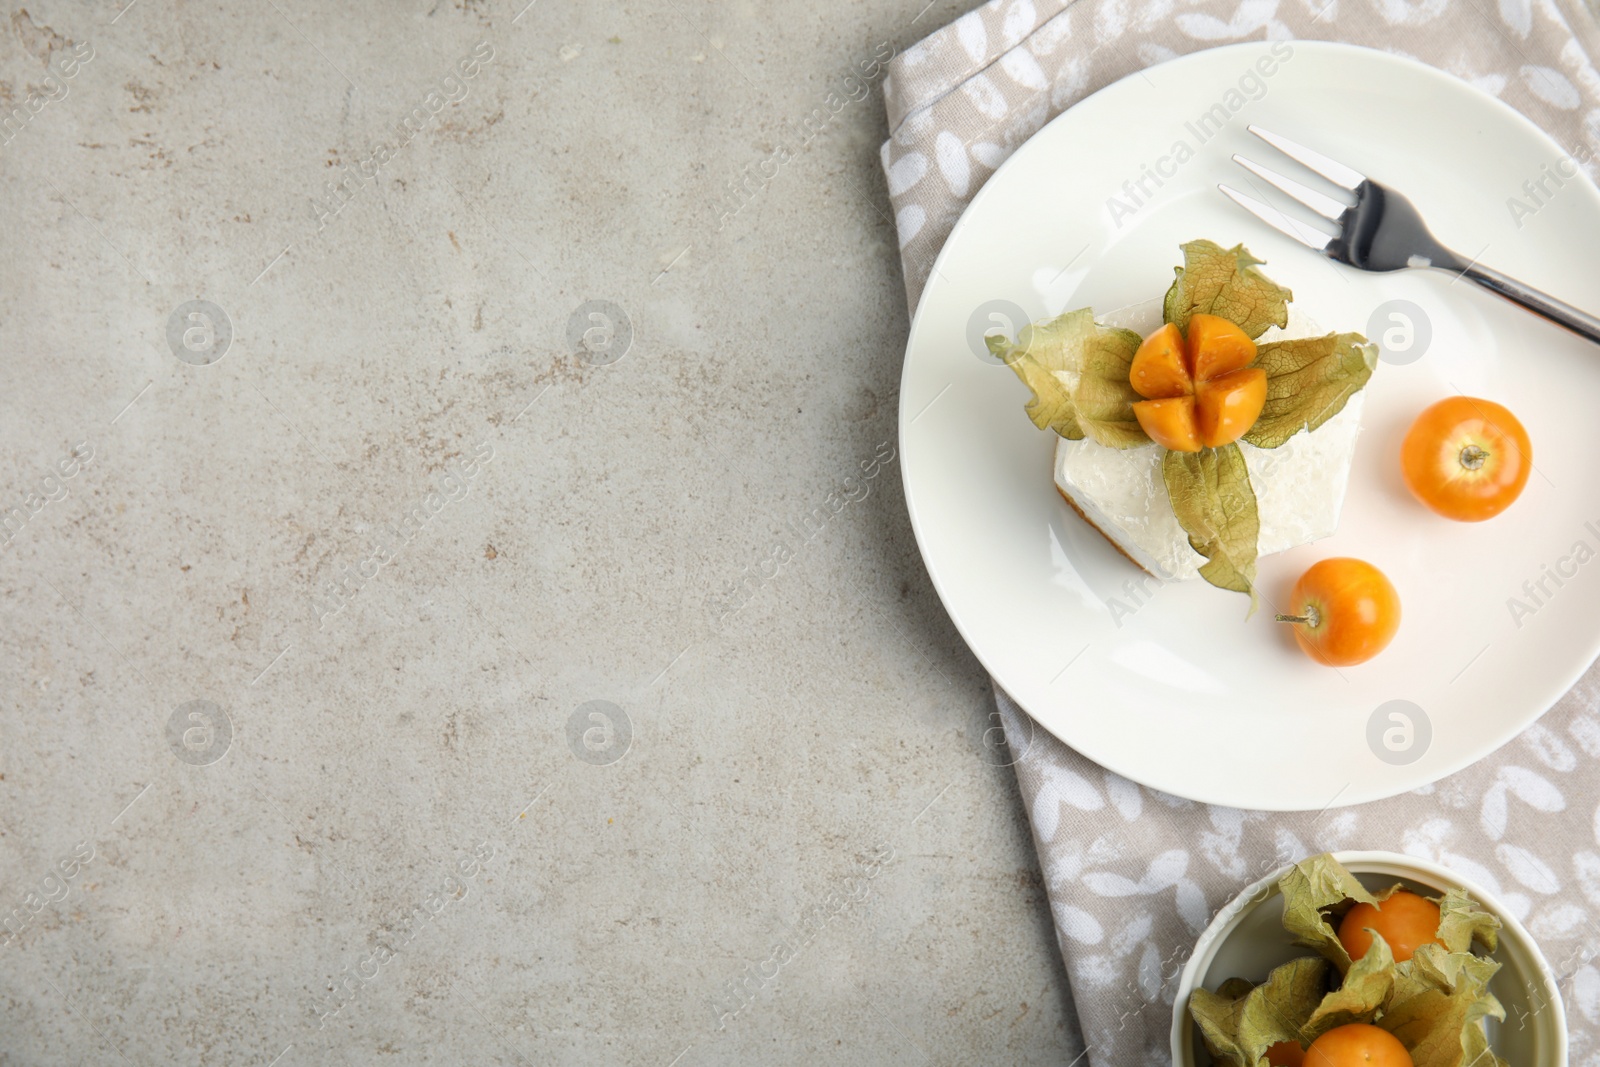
(1299, 485)
(1203, 430)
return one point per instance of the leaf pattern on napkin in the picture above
(1129, 905)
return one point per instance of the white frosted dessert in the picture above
(1299, 485)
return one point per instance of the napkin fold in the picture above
(1133, 874)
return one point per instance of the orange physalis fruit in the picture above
(1406, 922)
(1217, 346)
(1161, 366)
(1200, 390)
(1228, 406)
(1358, 1045)
(1169, 422)
(1465, 458)
(1344, 612)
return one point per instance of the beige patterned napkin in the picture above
(1133, 874)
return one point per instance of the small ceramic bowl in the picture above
(1247, 940)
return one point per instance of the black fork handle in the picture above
(1543, 304)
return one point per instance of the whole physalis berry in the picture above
(1405, 921)
(1466, 458)
(1358, 1045)
(1344, 612)
(1200, 390)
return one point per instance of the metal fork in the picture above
(1382, 231)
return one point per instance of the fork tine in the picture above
(1309, 236)
(1321, 203)
(1335, 172)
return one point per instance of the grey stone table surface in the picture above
(459, 604)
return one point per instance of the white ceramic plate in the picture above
(1246, 940)
(1184, 695)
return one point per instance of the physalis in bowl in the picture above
(1397, 979)
(1202, 433)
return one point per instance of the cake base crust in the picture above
(1120, 550)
